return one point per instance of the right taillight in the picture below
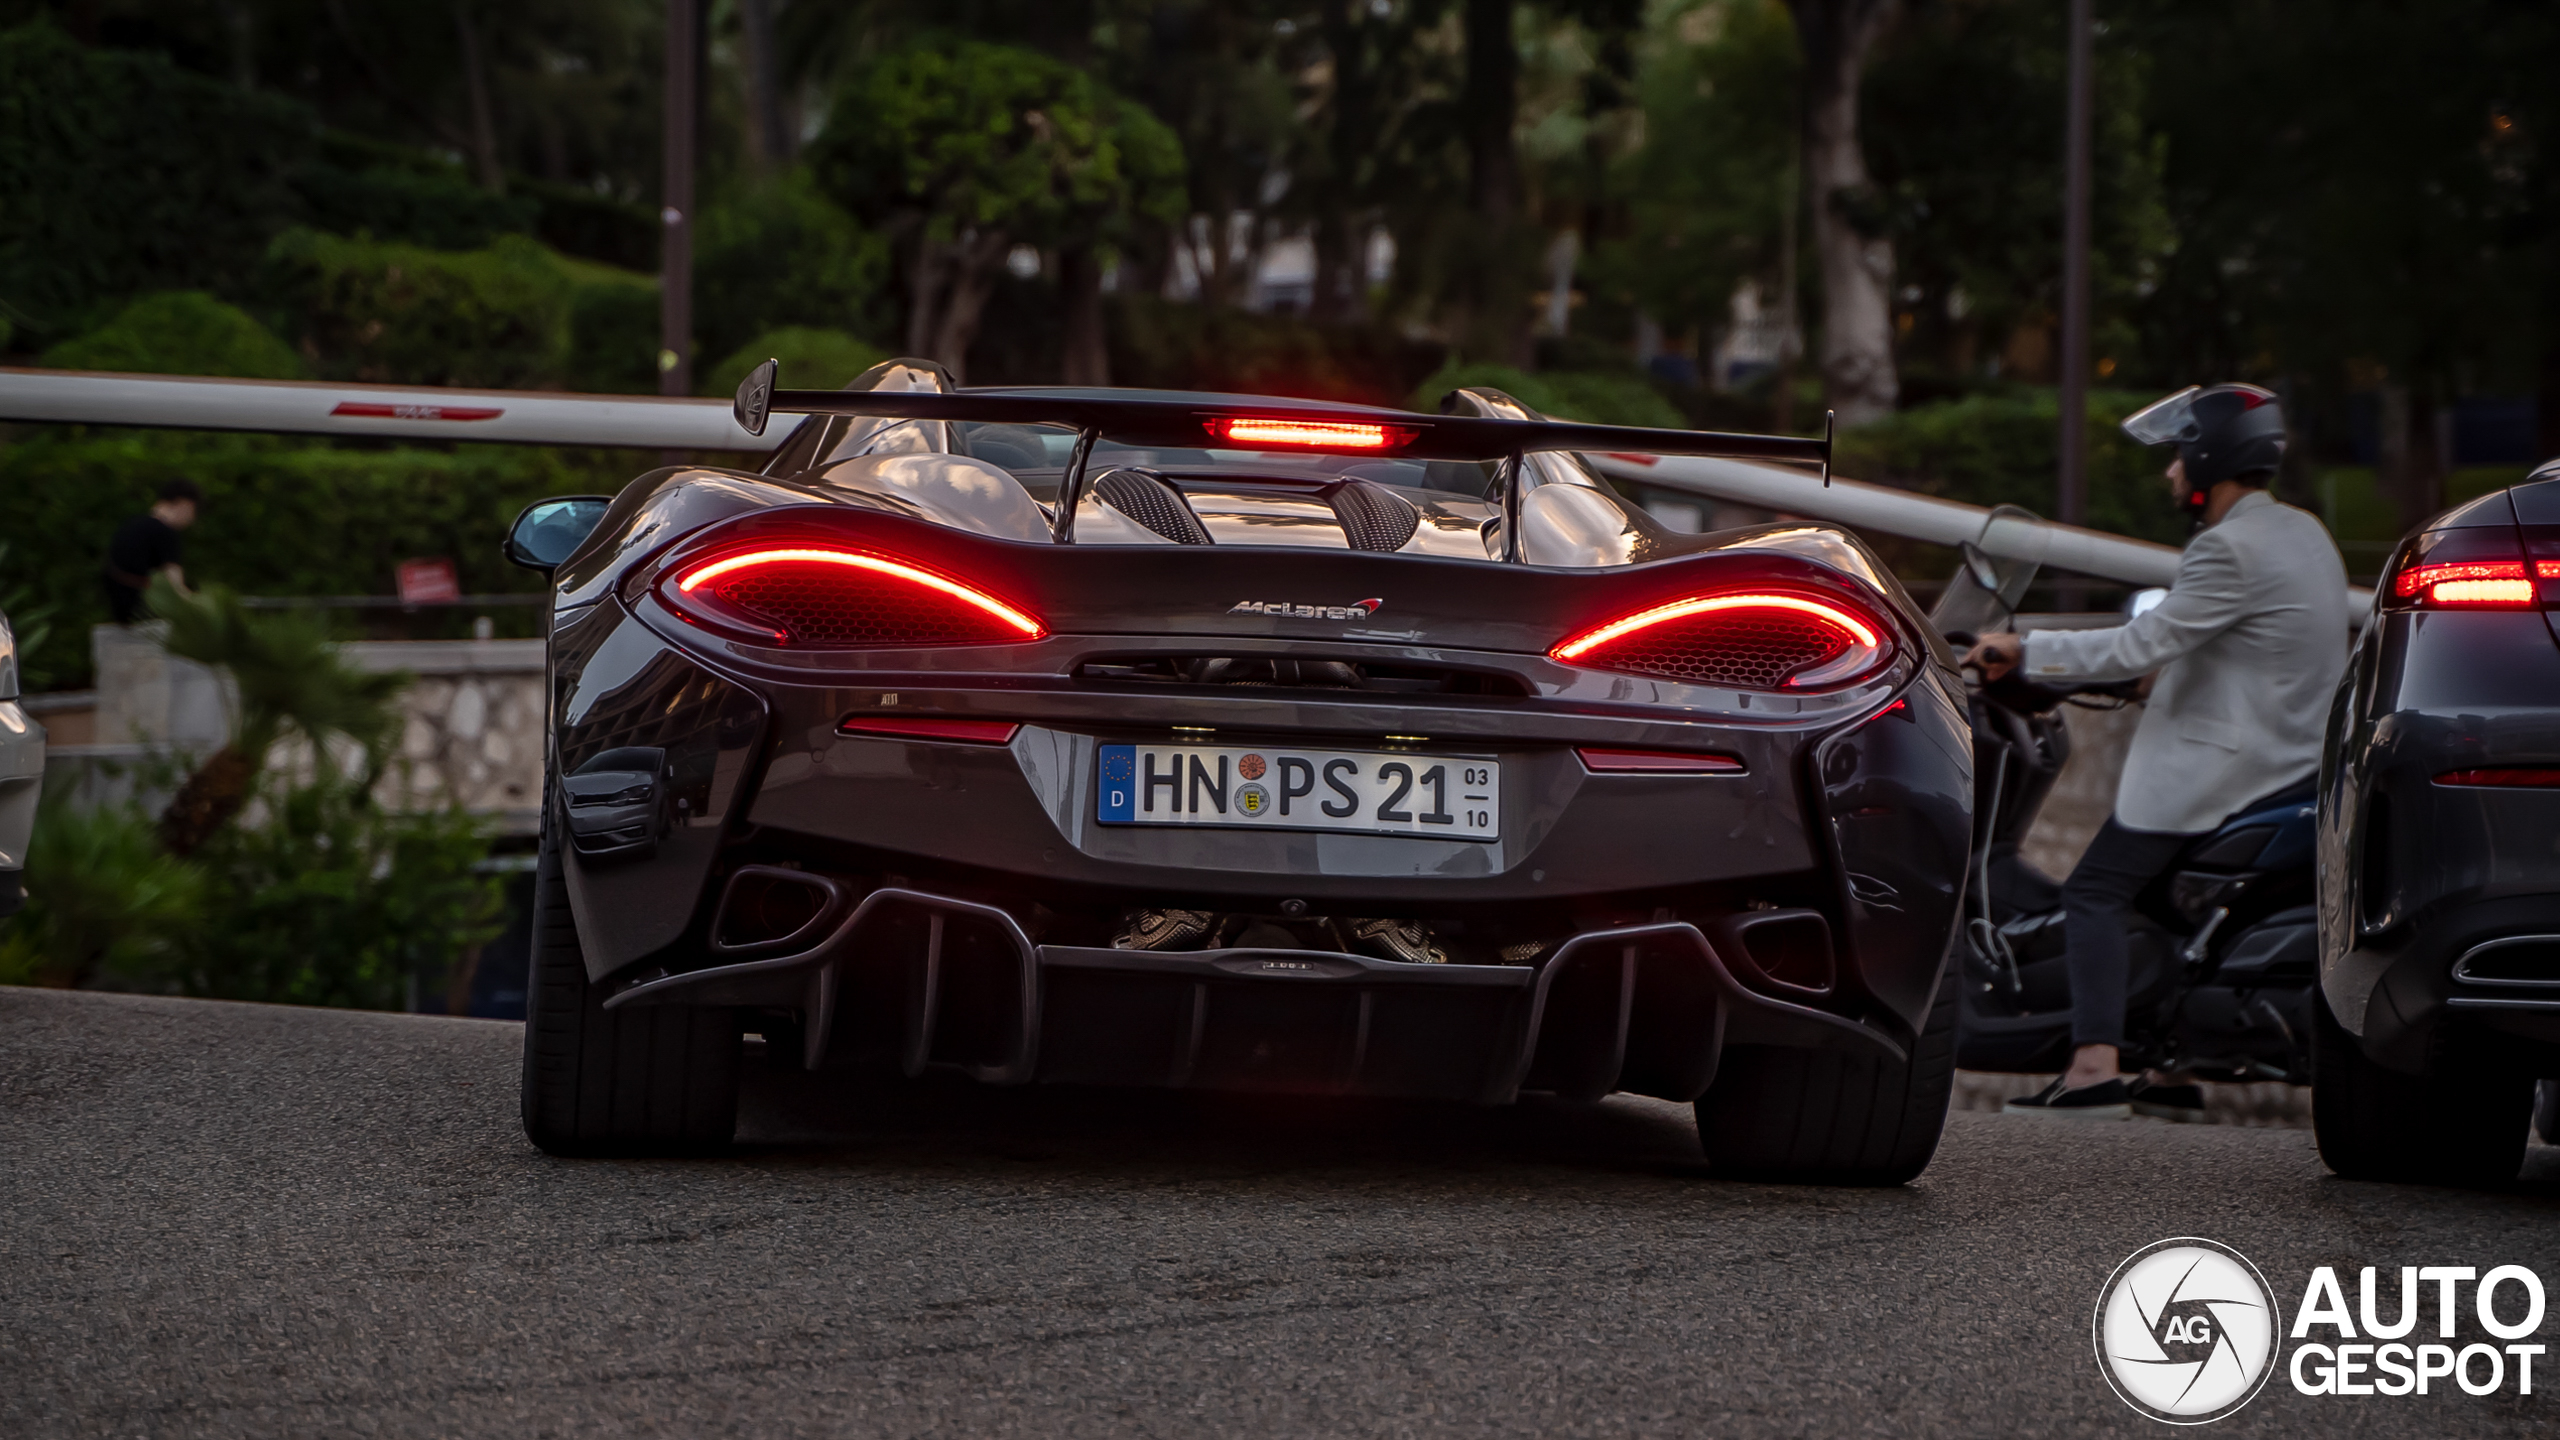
(2473, 569)
(1749, 641)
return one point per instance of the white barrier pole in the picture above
(529, 417)
(294, 407)
(1889, 511)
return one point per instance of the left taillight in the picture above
(835, 597)
(1744, 640)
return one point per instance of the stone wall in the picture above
(471, 731)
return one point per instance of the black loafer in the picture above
(2179, 1104)
(2105, 1100)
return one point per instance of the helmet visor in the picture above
(2168, 419)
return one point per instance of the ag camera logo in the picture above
(2186, 1330)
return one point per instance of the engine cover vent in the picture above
(1152, 501)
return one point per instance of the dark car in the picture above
(2439, 857)
(1162, 739)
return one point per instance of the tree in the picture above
(964, 150)
(288, 680)
(1706, 195)
(1849, 239)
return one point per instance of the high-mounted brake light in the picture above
(822, 595)
(1257, 433)
(1752, 641)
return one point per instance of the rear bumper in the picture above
(1856, 811)
(2416, 874)
(922, 980)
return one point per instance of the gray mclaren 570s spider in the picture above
(1146, 738)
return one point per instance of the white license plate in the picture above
(1449, 797)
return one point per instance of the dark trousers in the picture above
(2097, 907)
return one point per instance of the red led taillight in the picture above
(826, 597)
(2472, 569)
(1760, 641)
(1275, 433)
(2518, 778)
(1656, 762)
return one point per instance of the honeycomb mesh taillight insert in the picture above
(1746, 642)
(827, 597)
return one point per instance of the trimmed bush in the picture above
(812, 359)
(181, 332)
(613, 338)
(403, 314)
(351, 513)
(1598, 397)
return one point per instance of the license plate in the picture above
(1447, 797)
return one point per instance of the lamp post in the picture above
(2071, 502)
(675, 264)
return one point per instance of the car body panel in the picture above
(1850, 805)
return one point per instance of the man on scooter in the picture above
(2249, 645)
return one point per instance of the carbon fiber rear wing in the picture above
(1249, 422)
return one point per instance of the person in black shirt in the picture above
(149, 545)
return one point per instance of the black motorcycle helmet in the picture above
(2223, 432)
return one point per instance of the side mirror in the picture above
(2143, 602)
(550, 531)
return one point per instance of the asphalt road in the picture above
(241, 1220)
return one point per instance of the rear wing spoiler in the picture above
(1245, 422)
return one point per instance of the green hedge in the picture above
(782, 255)
(511, 315)
(2001, 449)
(1174, 345)
(812, 359)
(1599, 397)
(121, 173)
(281, 517)
(181, 332)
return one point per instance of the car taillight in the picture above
(2533, 778)
(965, 732)
(1770, 641)
(829, 597)
(2475, 569)
(1600, 761)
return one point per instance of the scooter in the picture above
(2224, 945)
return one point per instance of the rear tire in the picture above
(1828, 1117)
(645, 1080)
(2463, 1125)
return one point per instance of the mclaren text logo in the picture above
(1360, 610)
(2186, 1331)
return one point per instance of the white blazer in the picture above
(2249, 645)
